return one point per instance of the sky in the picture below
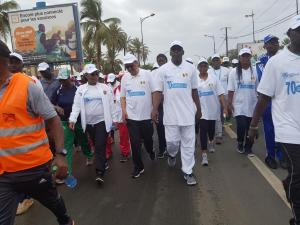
(189, 20)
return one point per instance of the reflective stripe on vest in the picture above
(22, 149)
(21, 130)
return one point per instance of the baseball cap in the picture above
(101, 75)
(269, 38)
(111, 77)
(225, 59)
(63, 74)
(235, 61)
(294, 22)
(129, 58)
(16, 55)
(43, 66)
(178, 43)
(189, 60)
(4, 50)
(217, 55)
(202, 60)
(90, 68)
(245, 51)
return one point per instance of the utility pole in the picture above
(213, 38)
(142, 35)
(226, 38)
(252, 16)
(297, 7)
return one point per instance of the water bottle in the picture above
(71, 181)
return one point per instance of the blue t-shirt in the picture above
(64, 98)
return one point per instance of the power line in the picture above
(220, 46)
(274, 24)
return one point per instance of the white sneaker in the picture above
(204, 159)
(211, 147)
(171, 161)
(190, 179)
(89, 161)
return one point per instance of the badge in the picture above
(105, 92)
(143, 82)
(184, 74)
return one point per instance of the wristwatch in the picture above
(63, 152)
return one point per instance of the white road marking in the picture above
(272, 179)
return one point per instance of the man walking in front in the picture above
(178, 82)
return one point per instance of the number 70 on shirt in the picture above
(292, 87)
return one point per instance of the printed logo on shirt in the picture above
(172, 85)
(143, 82)
(211, 85)
(185, 74)
(135, 93)
(285, 76)
(90, 99)
(293, 87)
(205, 93)
(246, 86)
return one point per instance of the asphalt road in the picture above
(230, 191)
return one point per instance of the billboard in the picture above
(51, 34)
(257, 48)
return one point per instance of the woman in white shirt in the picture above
(94, 102)
(242, 98)
(211, 94)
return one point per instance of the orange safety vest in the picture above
(23, 138)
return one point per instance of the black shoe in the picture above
(271, 163)
(292, 221)
(123, 158)
(137, 173)
(99, 178)
(240, 148)
(283, 164)
(152, 155)
(161, 155)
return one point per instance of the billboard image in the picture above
(50, 34)
(257, 48)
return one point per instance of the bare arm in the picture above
(197, 103)
(261, 105)
(230, 99)
(123, 106)
(156, 100)
(223, 104)
(57, 132)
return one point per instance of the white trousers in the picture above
(182, 137)
(219, 128)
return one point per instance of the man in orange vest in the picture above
(25, 157)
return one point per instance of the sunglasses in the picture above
(128, 66)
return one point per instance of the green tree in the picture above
(285, 42)
(135, 48)
(89, 53)
(145, 53)
(4, 24)
(114, 42)
(95, 28)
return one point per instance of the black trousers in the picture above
(37, 183)
(207, 129)
(161, 130)
(98, 136)
(139, 130)
(242, 126)
(292, 182)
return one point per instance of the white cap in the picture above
(235, 61)
(245, 51)
(155, 65)
(189, 60)
(295, 22)
(225, 59)
(129, 58)
(101, 75)
(217, 55)
(43, 66)
(63, 74)
(179, 43)
(111, 77)
(90, 68)
(202, 60)
(16, 55)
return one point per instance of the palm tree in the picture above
(145, 53)
(89, 52)
(94, 26)
(112, 64)
(135, 48)
(4, 24)
(126, 42)
(115, 43)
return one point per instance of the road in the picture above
(230, 191)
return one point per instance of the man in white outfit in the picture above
(178, 82)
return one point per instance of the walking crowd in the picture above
(43, 118)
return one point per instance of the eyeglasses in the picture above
(128, 66)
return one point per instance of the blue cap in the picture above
(269, 38)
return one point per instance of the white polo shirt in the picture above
(209, 91)
(281, 81)
(137, 90)
(222, 75)
(176, 83)
(245, 96)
